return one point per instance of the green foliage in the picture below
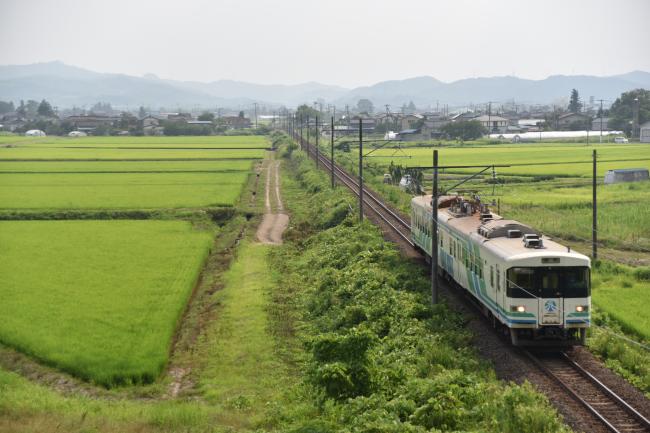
(206, 116)
(622, 110)
(380, 358)
(574, 102)
(464, 130)
(6, 107)
(182, 128)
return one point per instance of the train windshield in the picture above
(549, 282)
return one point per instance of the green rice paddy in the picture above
(99, 299)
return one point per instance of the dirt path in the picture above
(275, 219)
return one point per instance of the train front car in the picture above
(533, 287)
(550, 288)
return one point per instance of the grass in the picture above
(124, 166)
(108, 154)
(561, 158)
(244, 371)
(99, 299)
(119, 190)
(193, 141)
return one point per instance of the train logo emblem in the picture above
(550, 306)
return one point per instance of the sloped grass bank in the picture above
(379, 357)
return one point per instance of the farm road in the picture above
(275, 219)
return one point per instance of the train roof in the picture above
(503, 237)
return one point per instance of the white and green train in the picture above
(534, 288)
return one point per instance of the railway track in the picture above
(603, 403)
(389, 216)
(610, 410)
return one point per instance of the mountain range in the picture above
(67, 86)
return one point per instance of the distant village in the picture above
(506, 122)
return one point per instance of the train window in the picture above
(549, 282)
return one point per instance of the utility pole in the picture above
(317, 135)
(332, 150)
(255, 105)
(307, 134)
(635, 124)
(301, 131)
(489, 118)
(360, 169)
(601, 120)
(594, 217)
(434, 231)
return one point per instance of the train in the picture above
(534, 289)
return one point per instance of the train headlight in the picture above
(581, 308)
(518, 308)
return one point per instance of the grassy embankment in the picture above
(379, 357)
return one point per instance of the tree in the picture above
(32, 107)
(306, 112)
(465, 130)
(411, 107)
(574, 102)
(22, 110)
(206, 116)
(6, 107)
(142, 113)
(241, 114)
(45, 109)
(621, 113)
(365, 106)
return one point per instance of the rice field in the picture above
(37, 191)
(102, 299)
(564, 160)
(54, 173)
(99, 299)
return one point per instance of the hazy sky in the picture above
(343, 42)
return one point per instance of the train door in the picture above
(551, 303)
(501, 292)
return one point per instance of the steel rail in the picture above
(369, 199)
(611, 424)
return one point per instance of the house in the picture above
(531, 125)
(432, 125)
(566, 121)
(494, 124)
(199, 122)
(91, 121)
(596, 124)
(387, 119)
(151, 126)
(644, 133)
(179, 117)
(12, 121)
(236, 122)
(626, 175)
(367, 123)
(460, 117)
(412, 121)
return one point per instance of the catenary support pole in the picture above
(308, 143)
(434, 231)
(317, 136)
(301, 147)
(360, 170)
(332, 150)
(594, 206)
